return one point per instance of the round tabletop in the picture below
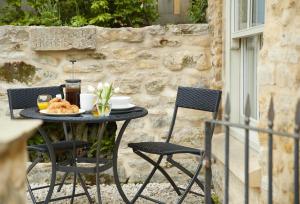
(134, 113)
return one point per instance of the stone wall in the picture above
(279, 75)
(215, 19)
(147, 63)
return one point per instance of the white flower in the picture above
(117, 90)
(99, 86)
(91, 88)
(106, 84)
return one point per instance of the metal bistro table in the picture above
(137, 112)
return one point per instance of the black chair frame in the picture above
(190, 98)
(21, 98)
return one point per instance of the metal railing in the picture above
(271, 133)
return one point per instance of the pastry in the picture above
(58, 105)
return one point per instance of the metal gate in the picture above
(247, 128)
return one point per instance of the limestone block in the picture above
(146, 54)
(146, 64)
(156, 30)
(277, 55)
(43, 75)
(128, 85)
(181, 59)
(146, 100)
(156, 85)
(83, 66)
(14, 34)
(195, 29)
(203, 41)
(46, 60)
(158, 118)
(62, 38)
(117, 66)
(189, 136)
(165, 42)
(125, 53)
(131, 35)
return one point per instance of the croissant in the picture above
(58, 105)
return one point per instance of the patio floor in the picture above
(110, 195)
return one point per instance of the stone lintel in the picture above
(62, 38)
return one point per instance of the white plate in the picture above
(127, 106)
(62, 114)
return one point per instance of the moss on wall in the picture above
(19, 71)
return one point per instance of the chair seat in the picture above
(163, 148)
(58, 146)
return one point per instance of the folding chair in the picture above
(21, 98)
(190, 98)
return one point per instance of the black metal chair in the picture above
(22, 98)
(191, 98)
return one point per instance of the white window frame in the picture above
(233, 43)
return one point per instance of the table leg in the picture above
(115, 161)
(99, 136)
(74, 162)
(53, 163)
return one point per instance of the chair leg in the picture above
(161, 170)
(74, 187)
(184, 170)
(35, 162)
(137, 195)
(188, 188)
(30, 192)
(53, 163)
(62, 181)
(85, 188)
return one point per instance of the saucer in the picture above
(122, 107)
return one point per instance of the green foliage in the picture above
(107, 142)
(49, 14)
(134, 13)
(56, 133)
(107, 13)
(197, 11)
(78, 21)
(215, 198)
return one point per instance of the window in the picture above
(250, 49)
(243, 43)
(258, 12)
(241, 9)
(248, 14)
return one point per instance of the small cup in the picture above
(87, 101)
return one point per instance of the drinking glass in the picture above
(43, 101)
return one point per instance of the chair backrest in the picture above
(22, 98)
(198, 99)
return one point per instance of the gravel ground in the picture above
(110, 195)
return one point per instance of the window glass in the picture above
(258, 12)
(249, 72)
(242, 14)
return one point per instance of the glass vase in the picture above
(103, 109)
